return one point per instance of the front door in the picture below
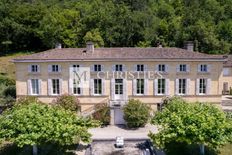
(118, 89)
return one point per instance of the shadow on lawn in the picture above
(49, 149)
(175, 148)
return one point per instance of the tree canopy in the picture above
(40, 24)
(191, 123)
(35, 124)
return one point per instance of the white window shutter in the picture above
(71, 69)
(29, 68)
(188, 86)
(91, 87)
(59, 68)
(61, 87)
(125, 88)
(49, 68)
(208, 68)
(197, 86)
(146, 88)
(113, 68)
(102, 67)
(157, 68)
(145, 67)
(123, 68)
(49, 86)
(103, 87)
(29, 89)
(134, 86)
(38, 68)
(208, 86)
(177, 87)
(188, 67)
(112, 85)
(70, 86)
(135, 68)
(199, 68)
(82, 91)
(40, 87)
(178, 68)
(92, 68)
(166, 86)
(166, 68)
(156, 87)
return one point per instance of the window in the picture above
(183, 68)
(226, 71)
(55, 86)
(203, 68)
(118, 86)
(182, 86)
(202, 86)
(34, 86)
(161, 68)
(76, 87)
(76, 68)
(140, 86)
(161, 86)
(118, 67)
(98, 86)
(97, 68)
(140, 68)
(55, 68)
(34, 68)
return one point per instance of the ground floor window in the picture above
(161, 86)
(140, 86)
(118, 86)
(202, 86)
(55, 86)
(182, 86)
(98, 86)
(35, 86)
(76, 87)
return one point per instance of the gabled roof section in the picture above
(118, 54)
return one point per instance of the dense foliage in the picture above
(136, 113)
(191, 123)
(68, 102)
(7, 91)
(35, 124)
(102, 114)
(40, 24)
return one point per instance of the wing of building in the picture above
(114, 75)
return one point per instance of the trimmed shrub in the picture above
(102, 114)
(136, 113)
(68, 102)
(10, 91)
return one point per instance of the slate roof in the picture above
(66, 54)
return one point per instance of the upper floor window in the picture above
(75, 67)
(161, 68)
(203, 68)
(34, 68)
(140, 67)
(97, 86)
(97, 68)
(55, 68)
(140, 86)
(161, 86)
(183, 68)
(118, 67)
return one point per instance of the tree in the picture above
(136, 113)
(35, 124)
(94, 36)
(68, 102)
(191, 123)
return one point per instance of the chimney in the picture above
(189, 45)
(58, 46)
(90, 47)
